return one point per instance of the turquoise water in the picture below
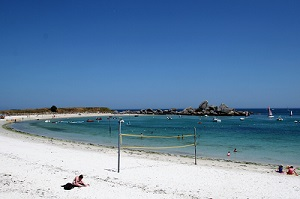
(257, 138)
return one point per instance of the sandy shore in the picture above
(35, 167)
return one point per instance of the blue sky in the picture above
(149, 54)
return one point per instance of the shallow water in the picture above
(257, 138)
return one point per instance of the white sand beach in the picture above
(35, 167)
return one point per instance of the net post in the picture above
(119, 143)
(109, 129)
(195, 143)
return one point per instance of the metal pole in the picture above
(119, 143)
(109, 125)
(195, 143)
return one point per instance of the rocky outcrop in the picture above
(203, 109)
(188, 111)
(203, 105)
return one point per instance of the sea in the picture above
(257, 138)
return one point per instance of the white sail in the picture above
(270, 113)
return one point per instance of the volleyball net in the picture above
(142, 136)
(182, 136)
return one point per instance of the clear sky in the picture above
(149, 53)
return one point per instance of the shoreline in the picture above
(132, 151)
(41, 138)
(29, 162)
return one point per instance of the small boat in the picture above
(98, 118)
(216, 120)
(242, 118)
(246, 113)
(169, 118)
(90, 120)
(279, 119)
(47, 121)
(296, 121)
(128, 123)
(270, 114)
(76, 122)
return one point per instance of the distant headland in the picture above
(55, 110)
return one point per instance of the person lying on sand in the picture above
(77, 182)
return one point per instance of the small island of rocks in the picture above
(203, 109)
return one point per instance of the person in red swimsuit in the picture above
(291, 171)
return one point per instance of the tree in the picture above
(53, 108)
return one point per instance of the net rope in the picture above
(157, 137)
(158, 147)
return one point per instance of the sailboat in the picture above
(291, 113)
(270, 115)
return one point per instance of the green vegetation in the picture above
(58, 110)
(53, 108)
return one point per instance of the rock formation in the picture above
(203, 109)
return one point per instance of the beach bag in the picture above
(68, 186)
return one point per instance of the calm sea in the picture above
(257, 138)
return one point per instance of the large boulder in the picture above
(223, 108)
(159, 111)
(212, 108)
(149, 111)
(166, 111)
(188, 111)
(203, 105)
(173, 111)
